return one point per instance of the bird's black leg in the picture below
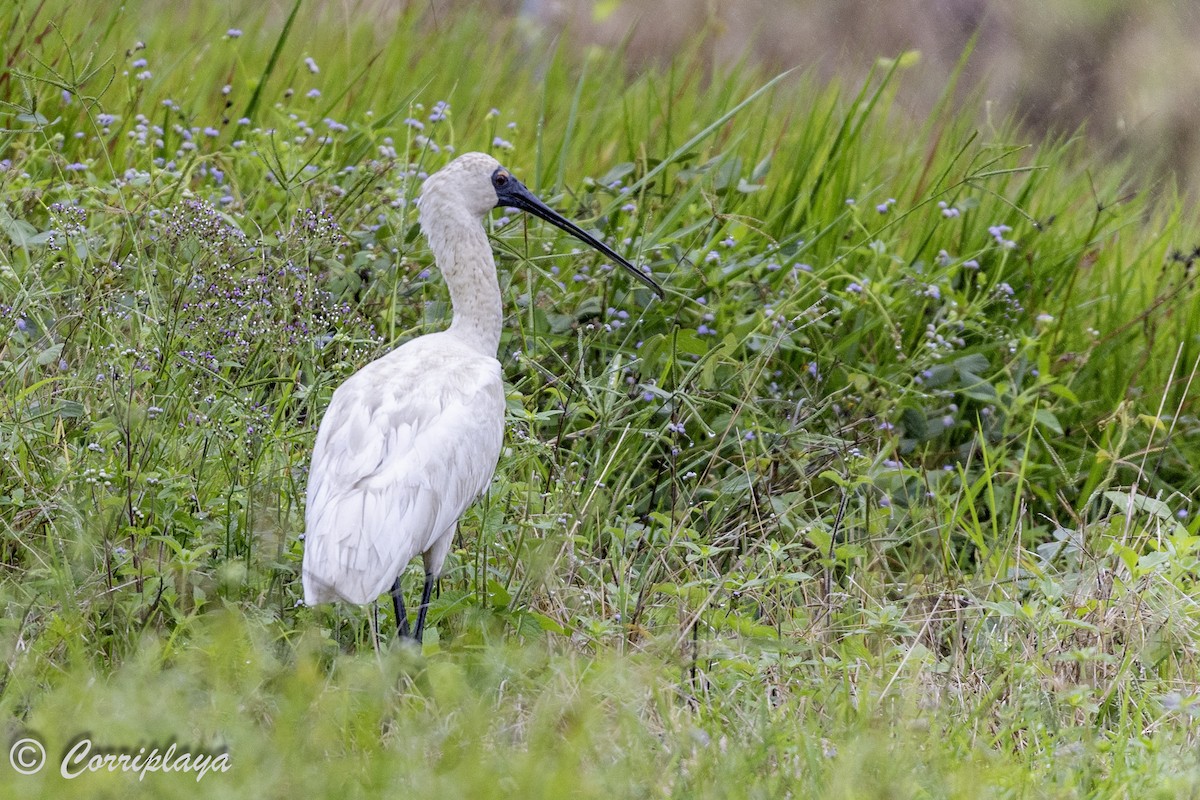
(401, 613)
(428, 590)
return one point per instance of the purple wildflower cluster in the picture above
(318, 227)
(200, 221)
(234, 311)
(70, 222)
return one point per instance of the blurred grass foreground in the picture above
(895, 495)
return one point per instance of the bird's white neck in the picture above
(464, 257)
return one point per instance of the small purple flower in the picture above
(854, 288)
(439, 112)
(211, 131)
(138, 63)
(313, 94)
(997, 232)
(503, 144)
(312, 65)
(234, 33)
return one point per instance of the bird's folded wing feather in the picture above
(398, 458)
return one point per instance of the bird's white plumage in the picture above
(407, 443)
(411, 439)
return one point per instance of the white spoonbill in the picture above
(411, 439)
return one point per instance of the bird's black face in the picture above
(510, 192)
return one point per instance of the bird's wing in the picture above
(405, 446)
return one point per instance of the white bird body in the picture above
(407, 444)
(412, 439)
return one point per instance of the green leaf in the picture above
(846, 552)
(971, 365)
(915, 423)
(1063, 392)
(761, 169)
(617, 173)
(1128, 502)
(687, 341)
(70, 409)
(1046, 418)
(498, 596)
(727, 175)
(18, 230)
(33, 119)
(50, 355)
(977, 388)
(546, 623)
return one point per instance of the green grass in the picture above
(893, 495)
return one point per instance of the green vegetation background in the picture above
(893, 496)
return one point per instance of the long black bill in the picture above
(511, 192)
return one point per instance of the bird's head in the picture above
(478, 183)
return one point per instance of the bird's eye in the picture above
(500, 179)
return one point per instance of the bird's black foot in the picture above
(401, 613)
(425, 593)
